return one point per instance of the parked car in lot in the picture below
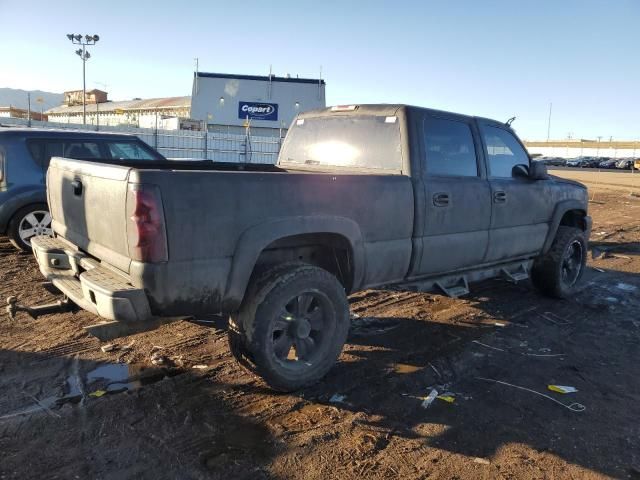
(590, 162)
(625, 164)
(553, 161)
(636, 164)
(575, 162)
(24, 158)
(362, 195)
(607, 163)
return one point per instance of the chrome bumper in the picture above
(89, 284)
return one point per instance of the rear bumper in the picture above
(89, 284)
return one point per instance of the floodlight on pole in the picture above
(77, 39)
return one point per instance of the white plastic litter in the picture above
(433, 394)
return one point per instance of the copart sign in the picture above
(258, 111)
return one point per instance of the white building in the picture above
(267, 104)
(168, 113)
(585, 147)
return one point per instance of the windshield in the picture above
(364, 141)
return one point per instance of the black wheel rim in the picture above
(301, 333)
(572, 263)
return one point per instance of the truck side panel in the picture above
(208, 213)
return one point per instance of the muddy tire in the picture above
(291, 327)
(27, 223)
(558, 272)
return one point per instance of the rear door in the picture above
(521, 208)
(457, 198)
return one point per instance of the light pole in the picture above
(78, 39)
(549, 122)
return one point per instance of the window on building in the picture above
(503, 150)
(449, 148)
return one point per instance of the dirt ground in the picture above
(199, 415)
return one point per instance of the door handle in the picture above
(77, 187)
(500, 197)
(441, 199)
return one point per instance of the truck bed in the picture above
(218, 220)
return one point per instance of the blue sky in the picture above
(495, 58)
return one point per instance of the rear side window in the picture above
(129, 151)
(449, 148)
(82, 150)
(503, 151)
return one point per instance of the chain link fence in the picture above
(216, 146)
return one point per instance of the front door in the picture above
(521, 207)
(457, 197)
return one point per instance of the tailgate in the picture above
(88, 207)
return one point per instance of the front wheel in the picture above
(558, 272)
(292, 326)
(29, 222)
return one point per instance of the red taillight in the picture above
(146, 234)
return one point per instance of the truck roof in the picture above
(382, 109)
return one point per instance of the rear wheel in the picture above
(558, 272)
(29, 222)
(291, 327)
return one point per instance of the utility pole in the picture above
(29, 109)
(549, 122)
(196, 77)
(78, 39)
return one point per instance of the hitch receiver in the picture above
(60, 306)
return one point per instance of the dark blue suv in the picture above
(24, 158)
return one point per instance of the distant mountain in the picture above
(18, 98)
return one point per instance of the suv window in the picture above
(129, 151)
(82, 150)
(449, 148)
(503, 150)
(43, 149)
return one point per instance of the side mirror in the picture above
(538, 171)
(520, 171)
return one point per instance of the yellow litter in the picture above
(447, 398)
(98, 393)
(562, 389)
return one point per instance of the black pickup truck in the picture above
(362, 196)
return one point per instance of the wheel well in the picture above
(574, 218)
(329, 251)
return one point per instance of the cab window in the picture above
(503, 151)
(449, 148)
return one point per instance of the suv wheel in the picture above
(291, 327)
(558, 272)
(28, 222)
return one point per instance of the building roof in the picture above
(129, 105)
(261, 78)
(88, 91)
